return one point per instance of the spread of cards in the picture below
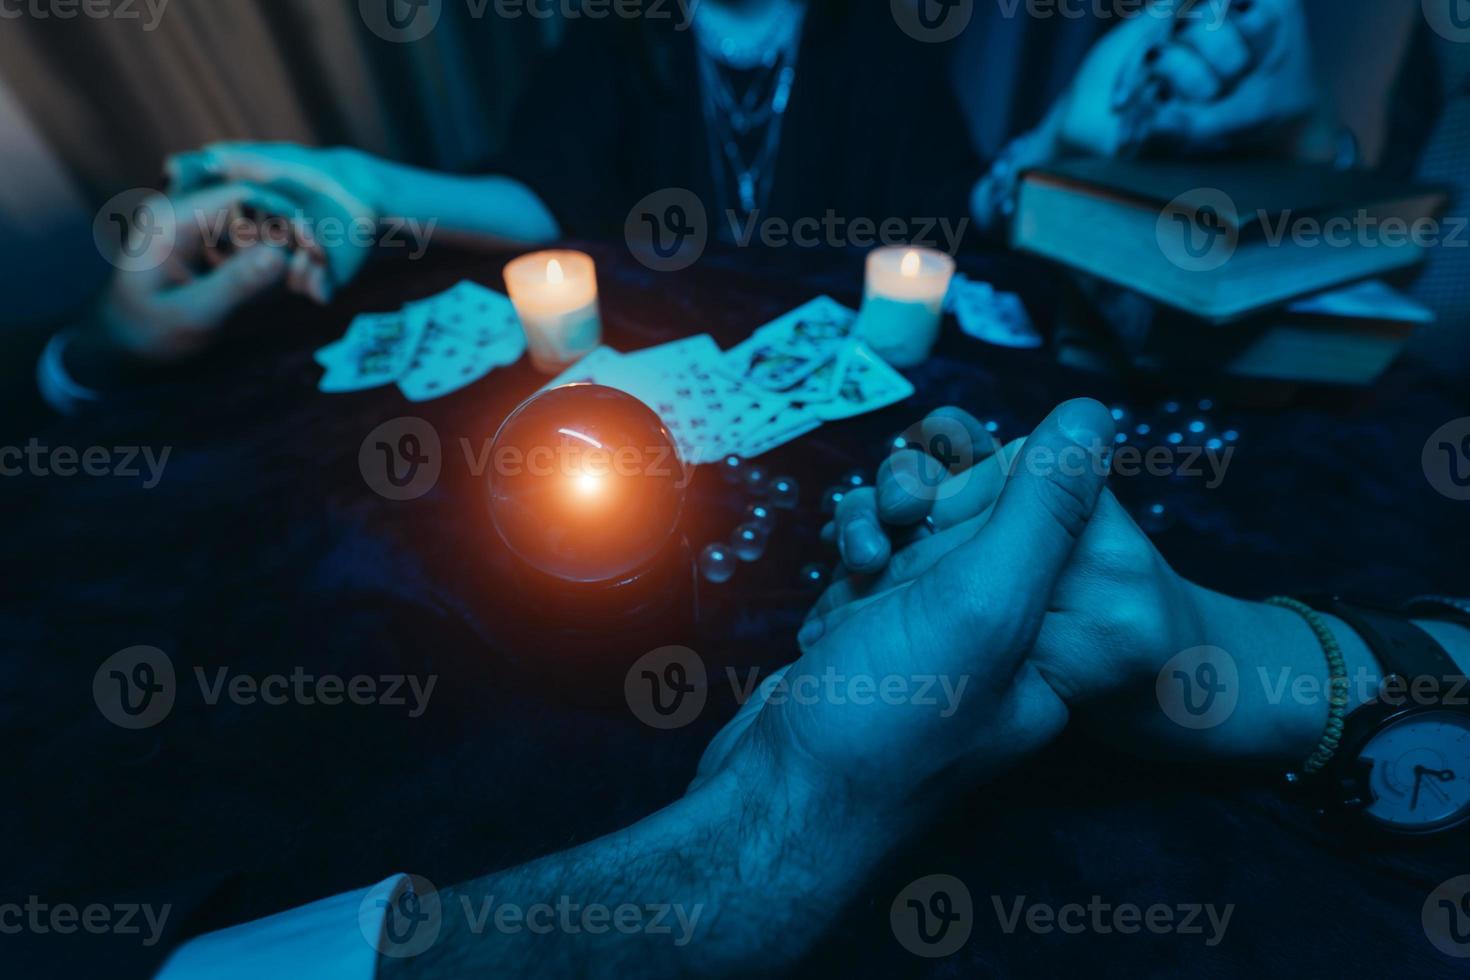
(796, 372)
(429, 348)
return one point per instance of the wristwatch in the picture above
(1403, 765)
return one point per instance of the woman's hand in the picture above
(1189, 77)
(334, 203)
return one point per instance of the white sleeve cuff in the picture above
(57, 387)
(334, 939)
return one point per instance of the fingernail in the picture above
(1079, 421)
(811, 631)
(860, 542)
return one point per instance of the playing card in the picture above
(444, 363)
(994, 317)
(791, 423)
(868, 384)
(786, 351)
(823, 384)
(468, 332)
(705, 411)
(585, 370)
(471, 310)
(376, 350)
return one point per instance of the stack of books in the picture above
(1254, 270)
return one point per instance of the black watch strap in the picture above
(1439, 607)
(1400, 647)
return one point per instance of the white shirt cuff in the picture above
(334, 939)
(57, 387)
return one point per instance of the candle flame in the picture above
(553, 271)
(909, 267)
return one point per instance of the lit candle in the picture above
(555, 295)
(903, 302)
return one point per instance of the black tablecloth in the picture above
(263, 550)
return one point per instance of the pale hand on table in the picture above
(326, 190)
(168, 309)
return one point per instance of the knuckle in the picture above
(1067, 501)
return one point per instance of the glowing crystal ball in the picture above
(586, 484)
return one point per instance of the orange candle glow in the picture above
(555, 296)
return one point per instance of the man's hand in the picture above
(798, 799)
(971, 617)
(1189, 77)
(168, 305)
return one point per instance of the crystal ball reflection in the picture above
(585, 483)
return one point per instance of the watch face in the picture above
(1420, 774)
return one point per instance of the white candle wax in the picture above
(555, 295)
(903, 302)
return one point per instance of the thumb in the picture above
(994, 588)
(210, 299)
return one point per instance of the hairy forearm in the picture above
(725, 882)
(494, 207)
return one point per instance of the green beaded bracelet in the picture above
(1337, 681)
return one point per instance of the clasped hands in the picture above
(987, 598)
(1016, 569)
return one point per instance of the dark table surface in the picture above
(263, 550)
